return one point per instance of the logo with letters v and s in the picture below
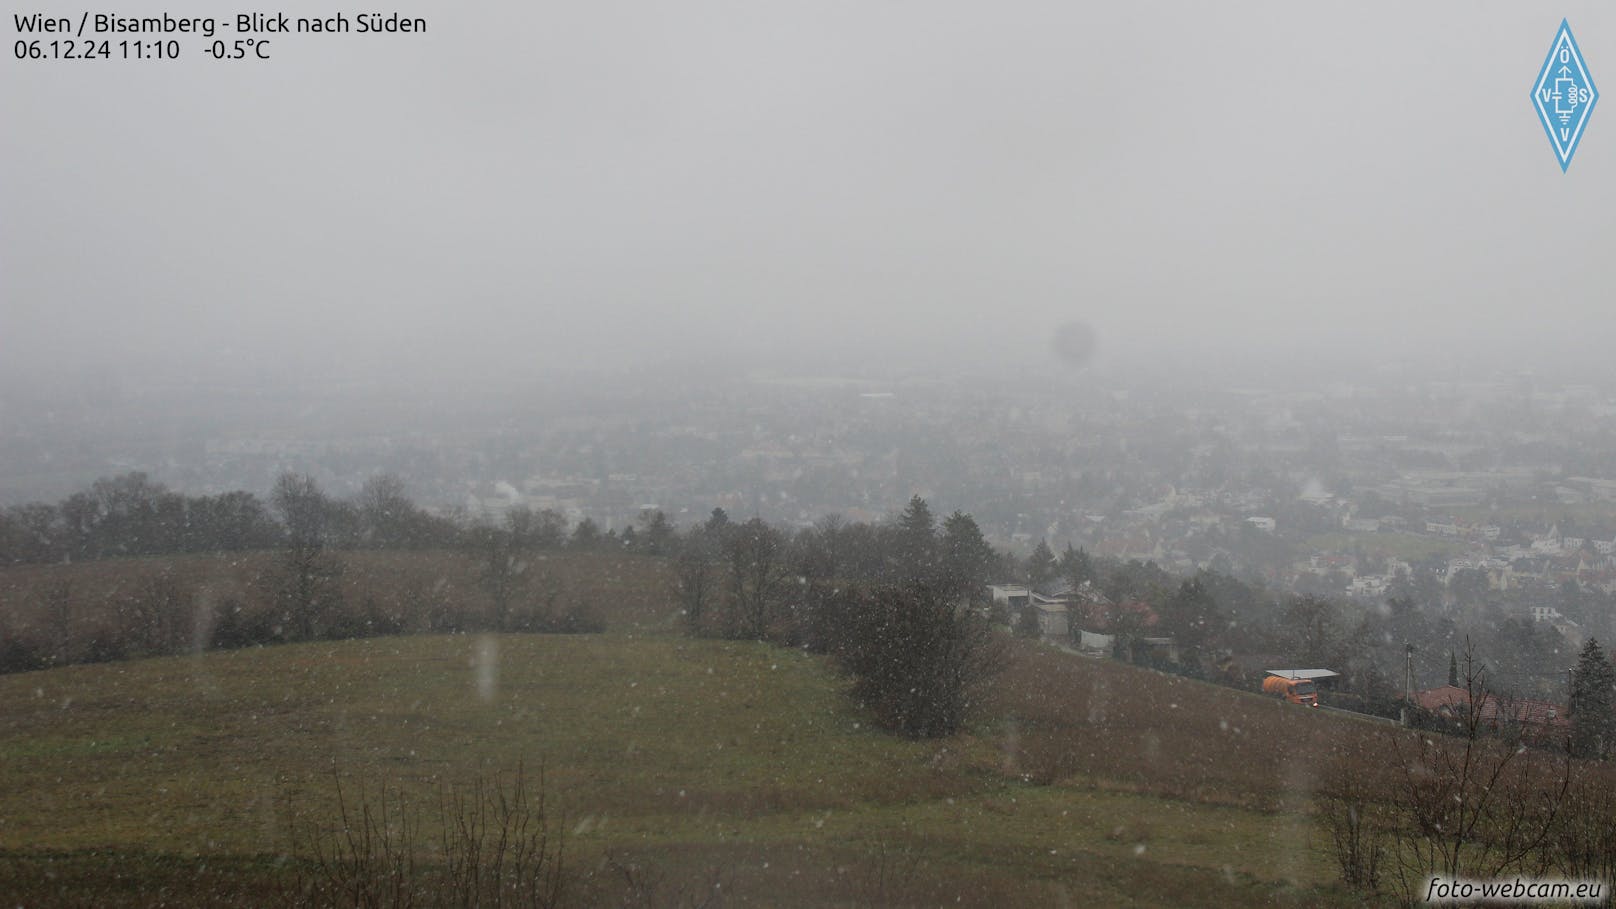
(1564, 95)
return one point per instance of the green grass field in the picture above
(1082, 783)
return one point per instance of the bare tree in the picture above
(696, 578)
(155, 618)
(756, 555)
(385, 512)
(1355, 825)
(503, 568)
(307, 583)
(1478, 806)
(1584, 843)
(499, 843)
(59, 620)
(522, 523)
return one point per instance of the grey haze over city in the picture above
(1056, 195)
(587, 184)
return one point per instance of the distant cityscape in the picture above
(1451, 493)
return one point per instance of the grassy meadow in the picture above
(701, 762)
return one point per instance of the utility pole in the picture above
(1408, 681)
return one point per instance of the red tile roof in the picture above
(1449, 699)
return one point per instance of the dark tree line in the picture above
(900, 605)
(743, 579)
(301, 594)
(734, 579)
(131, 515)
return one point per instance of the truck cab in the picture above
(1297, 691)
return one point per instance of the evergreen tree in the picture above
(1453, 669)
(586, 535)
(1191, 615)
(1076, 566)
(1593, 703)
(658, 536)
(918, 663)
(917, 543)
(717, 523)
(967, 557)
(1041, 565)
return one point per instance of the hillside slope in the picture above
(709, 761)
(1075, 720)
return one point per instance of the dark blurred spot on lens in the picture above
(1074, 343)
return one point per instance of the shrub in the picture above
(236, 626)
(918, 658)
(1584, 840)
(494, 844)
(103, 644)
(21, 654)
(155, 619)
(1352, 818)
(579, 619)
(367, 619)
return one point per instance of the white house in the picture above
(1011, 596)
(1546, 614)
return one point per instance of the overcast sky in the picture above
(594, 182)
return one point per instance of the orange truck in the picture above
(1297, 691)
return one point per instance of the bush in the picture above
(493, 845)
(366, 620)
(155, 620)
(235, 626)
(917, 657)
(103, 644)
(1584, 841)
(21, 654)
(826, 620)
(1353, 820)
(579, 619)
(441, 618)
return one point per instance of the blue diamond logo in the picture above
(1564, 95)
